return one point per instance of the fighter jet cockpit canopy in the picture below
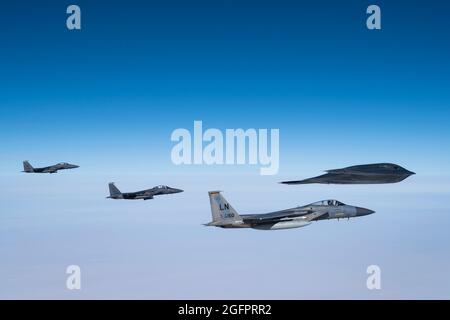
(162, 187)
(333, 203)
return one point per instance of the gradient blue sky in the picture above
(108, 97)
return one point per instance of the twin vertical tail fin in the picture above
(113, 191)
(222, 211)
(27, 167)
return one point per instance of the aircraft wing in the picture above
(147, 195)
(285, 215)
(320, 179)
(338, 178)
(276, 216)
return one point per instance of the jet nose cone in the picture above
(363, 211)
(178, 190)
(409, 173)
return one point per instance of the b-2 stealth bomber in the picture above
(378, 173)
(28, 168)
(114, 193)
(225, 216)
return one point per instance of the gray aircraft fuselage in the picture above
(50, 169)
(147, 194)
(378, 173)
(225, 216)
(298, 217)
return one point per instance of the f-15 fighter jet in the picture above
(224, 215)
(28, 168)
(148, 194)
(377, 173)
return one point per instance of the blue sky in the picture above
(136, 72)
(109, 96)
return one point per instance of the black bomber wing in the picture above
(336, 178)
(320, 179)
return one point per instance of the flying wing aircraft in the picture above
(225, 216)
(28, 168)
(377, 173)
(114, 193)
